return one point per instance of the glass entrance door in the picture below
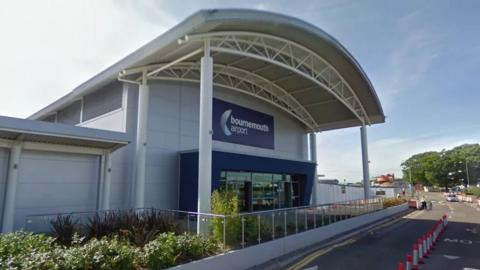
(264, 191)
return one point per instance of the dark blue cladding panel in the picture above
(237, 124)
(188, 181)
(236, 162)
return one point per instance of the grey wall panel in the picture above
(102, 101)
(4, 155)
(71, 114)
(122, 159)
(173, 127)
(52, 182)
(51, 118)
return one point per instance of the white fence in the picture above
(333, 193)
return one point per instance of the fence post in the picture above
(335, 216)
(284, 223)
(188, 222)
(224, 233)
(306, 218)
(243, 231)
(258, 221)
(315, 217)
(296, 220)
(323, 216)
(273, 225)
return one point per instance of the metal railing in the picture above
(234, 231)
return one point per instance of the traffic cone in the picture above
(400, 266)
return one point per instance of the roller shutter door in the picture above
(53, 182)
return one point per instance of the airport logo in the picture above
(239, 126)
(236, 124)
(223, 122)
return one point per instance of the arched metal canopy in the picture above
(279, 59)
(276, 53)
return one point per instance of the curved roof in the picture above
(286, 61)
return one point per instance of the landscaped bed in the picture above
(117, 240)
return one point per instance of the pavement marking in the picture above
(311, 268)
(472, 230)
(326, 250)
(460, 241)
(451, 257)
(319, 253)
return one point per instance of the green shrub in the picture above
(161, 252)
(475, 191)
(22, 250)
(194, 247)
(168, 250)
(226, 203)
(106, 253)
(389, 202)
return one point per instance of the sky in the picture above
(422, 57)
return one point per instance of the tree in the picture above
(446, 168)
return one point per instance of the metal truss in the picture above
(235, 79)
(289, 55)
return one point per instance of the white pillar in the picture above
(366, 171)
(141, 142)
(205, 136)
(313, 158)
(11, 189)
(107, 180)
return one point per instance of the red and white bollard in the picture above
(408, 265)
(415, 257)
(420, 251)
(425, 246)
(430, 242)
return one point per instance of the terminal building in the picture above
(227, 98)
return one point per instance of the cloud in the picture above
(50, 47)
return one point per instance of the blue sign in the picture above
(237, 124)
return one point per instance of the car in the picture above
(452, 198)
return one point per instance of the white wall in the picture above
(390, 192)
(113, 121)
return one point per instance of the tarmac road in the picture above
(383, 248)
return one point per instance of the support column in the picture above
(366, 171)
(141, 142)
(205, 137)
(107, 180)
(313, 158)
(11, 189)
